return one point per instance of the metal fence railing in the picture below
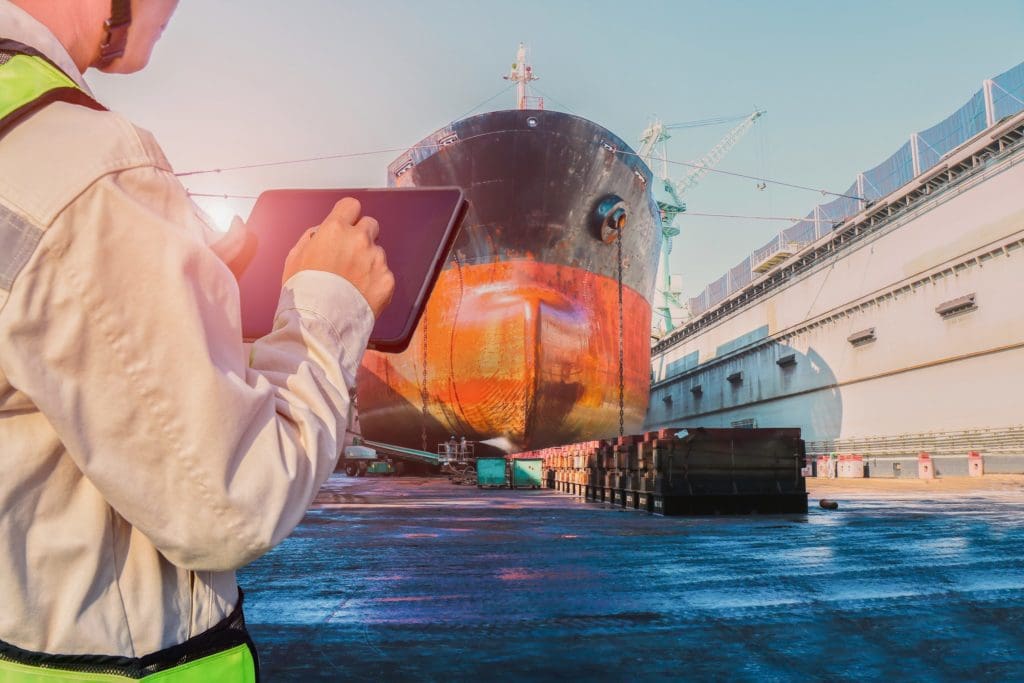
(1007, 441)
(997, 99)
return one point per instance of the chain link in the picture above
(423, 387)
(622, 358)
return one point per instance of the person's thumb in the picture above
(237, 247)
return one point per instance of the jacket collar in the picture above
(17, 24)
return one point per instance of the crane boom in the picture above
(717, 153)
(670, 201)
(655, 132)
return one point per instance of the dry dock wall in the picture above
(787, 360)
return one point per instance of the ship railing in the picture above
(532, 102)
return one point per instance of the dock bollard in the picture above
(975, 464)
(925, 467)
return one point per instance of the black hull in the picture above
(535, 180)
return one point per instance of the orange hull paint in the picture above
(517, 350)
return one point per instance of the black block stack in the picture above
(678, 471)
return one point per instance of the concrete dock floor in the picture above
(417, 579)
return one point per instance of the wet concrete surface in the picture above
(417, 579)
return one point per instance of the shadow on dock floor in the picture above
(389, 579)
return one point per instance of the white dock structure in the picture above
(897, 330)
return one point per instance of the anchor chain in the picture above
(423, 387)
(622, 359)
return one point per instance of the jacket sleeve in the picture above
(123, 328)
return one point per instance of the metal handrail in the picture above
(458, 452)
(993, 441)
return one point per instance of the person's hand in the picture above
(237, 247)
(345, 244)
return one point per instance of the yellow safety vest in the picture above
(29, 82)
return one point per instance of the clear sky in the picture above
(844, 84)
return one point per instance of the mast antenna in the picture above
(521, 74)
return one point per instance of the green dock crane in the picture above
(668, 194)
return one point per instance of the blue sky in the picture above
(844, 84)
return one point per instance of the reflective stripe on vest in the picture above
(230, 666)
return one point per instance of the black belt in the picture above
(228, 633)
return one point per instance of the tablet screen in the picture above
(417, 229)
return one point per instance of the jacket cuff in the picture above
(332, 298)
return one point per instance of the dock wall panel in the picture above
(922, 372)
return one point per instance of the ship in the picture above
(537, 331)
(887, 323)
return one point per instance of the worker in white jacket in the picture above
(145, 455)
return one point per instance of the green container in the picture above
(490, 472)
(526, 473)
(378, 467)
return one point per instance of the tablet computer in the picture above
(418, 227)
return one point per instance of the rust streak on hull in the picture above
(523, 350)
(522, 330)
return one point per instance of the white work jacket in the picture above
(145, 454)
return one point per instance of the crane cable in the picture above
(759, 179)
(700, 123)
(786, 219)
(437, 145)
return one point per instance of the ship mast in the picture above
(521, 74)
